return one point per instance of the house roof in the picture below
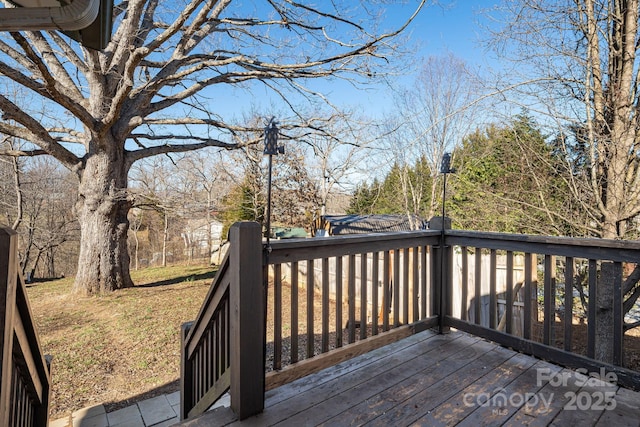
(361, 224)
(288, 232)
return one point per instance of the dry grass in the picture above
(115, 349)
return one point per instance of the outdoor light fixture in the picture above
(271, 139)
(445, 168)
(270, 149)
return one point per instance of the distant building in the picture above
(197, 234)
(334, 225)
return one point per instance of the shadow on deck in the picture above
(453, 379)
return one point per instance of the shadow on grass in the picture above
(41, 280)
(174, 280)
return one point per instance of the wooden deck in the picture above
(452, 379)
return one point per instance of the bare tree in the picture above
(246, 196)
(294, 193)
(48, 221)
(432, 117)
(204, 181)
(337, 154)
(583, 73)
(154, 183)
(135, 223)
(152, 91)
(577, 62)
(11, 168)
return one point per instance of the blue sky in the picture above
(439, 29)
(452, 27)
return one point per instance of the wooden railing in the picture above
(25, 371)
(366, 291)
(335, 297)
(560, 299)
(332, 298)
(220, 348)
(205, 374)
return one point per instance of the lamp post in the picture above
(445, 169)
(271, 149)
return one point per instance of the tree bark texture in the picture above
(102, 207)
(604, 313)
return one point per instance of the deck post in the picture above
(442, 268)
(186, 374)
(8, 279)
(247, 317)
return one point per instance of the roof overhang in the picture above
(87, 21)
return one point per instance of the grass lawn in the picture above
(116, 349)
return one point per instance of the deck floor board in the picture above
(441, 380)
(375, 394)
(403, 402)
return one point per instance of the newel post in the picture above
(246, 295)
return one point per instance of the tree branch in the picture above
(57, 92)
(60, 74)
(631, 280)
(33, 131)
(629, 326)
(132, 156)
(22, 153)
(251, 68)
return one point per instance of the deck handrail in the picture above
(392, 254)
(384, 281)
(388, 285)
(219, 347)
(550, 266)
(614, 250)
(204, 364)
(25, 378)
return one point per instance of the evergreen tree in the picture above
(509, 180)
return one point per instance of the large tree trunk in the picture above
(615, 104)
(604, 313)
(103, 205)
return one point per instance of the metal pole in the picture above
(265, 272)
(269, 204)
(270, 148)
